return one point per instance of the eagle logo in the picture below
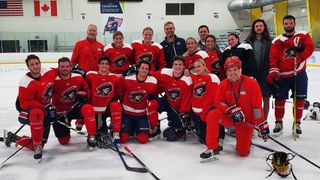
(147, 56)
(104, 89)
(119, 61)
(199, 89)
(174, 93)
(137, 96)
(69, 94)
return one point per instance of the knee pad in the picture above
(142, 138)
(169, 134)
(87, 110)
(36, 116)
(124, 137)
(116, 116)
(153, 106)
(64, 139)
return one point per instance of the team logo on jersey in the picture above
(137, 96)
(199, 89)
(104, 89)
(147, 56)
(242, 92)
(47, 93)
(120, 60)
(174, 93)
(69, 94)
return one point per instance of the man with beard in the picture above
(86, 52)
(288, 55)
(70, 96)
(172, 44)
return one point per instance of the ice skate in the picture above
(79, 124)
(277, 131)
(209, 155)
(298, 131)
(91, 142)
(37, 152)
(9, 138)
(155, 134)
(116, 137)
(103, 141)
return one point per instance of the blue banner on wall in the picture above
(110, 8)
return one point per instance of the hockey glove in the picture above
(185, 120)
(50, 110)
(236, 114)
(264, 131)
(273, 75)
(82, 97)
(130, 71)
(78, 70)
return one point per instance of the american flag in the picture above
(11, 8)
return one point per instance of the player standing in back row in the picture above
(288, 57)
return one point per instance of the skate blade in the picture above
(39, 160)
(295, 135)
(91, 149)
(155, 138)
(214, 158)
(278, 134)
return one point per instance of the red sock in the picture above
(300, 106)
(124, 137)
(279, 109)
(89, 118)
(25, 141)
(142, 138)
(64, 139)
(36, 117)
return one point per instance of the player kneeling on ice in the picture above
(104, 85)
(70, 97)
(177, 99)
(238, 103)
(33, 103)
(135, 90)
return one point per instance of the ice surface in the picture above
(168, 160)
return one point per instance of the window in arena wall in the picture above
(179, 8)
(37, 45)
(9, 46)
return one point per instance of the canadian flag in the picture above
(45, 8)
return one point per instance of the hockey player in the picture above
(86, 52)
(104, 86)
(136, 106)
(259, 38)
(192, 54)
(244, 52)
(204, 89)
(203, 31)
(288, 57)
(70, 97)
(177, 98)
(34, 104)
(119, 53)
(215, 55)
(238, 103)
(149, 50)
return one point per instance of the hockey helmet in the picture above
(232, 61)
(280, 163)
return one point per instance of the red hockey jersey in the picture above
(36, 93)
(212, 58)
(135, 94)
(285, 64)
(204, 89)
(103, 89)
(86, 54)
(120, 58)
(153, 53)
(249, 98)
(177, 91)
(191, 58)
(65, 92)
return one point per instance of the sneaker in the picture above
(209, 155)
(79, 124)
(91, 141)
(116, 137)
(298, 128)
(278, 128)
(37, 152)
(9, 138)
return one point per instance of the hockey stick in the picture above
(142, 164)
(129, 168)
(286, 147)
(294, 133)
(69, 127)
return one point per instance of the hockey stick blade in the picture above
(129, 168)
(140, 162)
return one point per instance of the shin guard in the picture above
(116, 116)
(153, 113)
(89, 118)
(279, 109)
(300, 106)
(36, 117)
